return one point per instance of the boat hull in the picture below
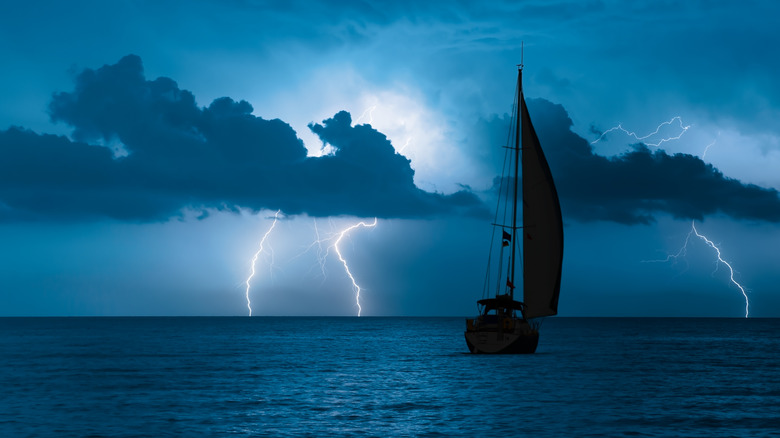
(495, 342)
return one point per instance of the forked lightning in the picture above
(620, 127)
(343, 233)
(254, 260)
(684, 249)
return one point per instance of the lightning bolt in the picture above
(731, 270)
(620, 127)
(341, 235)
(320, 255)
(370, 112)
(324, 251)
(254, 260)
(683, 250)
(681, 253)
(706, 148)
(405, 145)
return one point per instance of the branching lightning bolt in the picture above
(254, 260)
(341, 235)
(323, 253)
(684, 249)
(731, 270)
(620, 127)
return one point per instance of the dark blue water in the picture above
(385, 377)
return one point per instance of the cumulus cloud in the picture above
(176, 155)
(631, 188)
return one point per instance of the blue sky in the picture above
(179, 128)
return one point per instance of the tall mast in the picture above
(518, 139)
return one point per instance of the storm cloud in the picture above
(633, 187)
(143, 150)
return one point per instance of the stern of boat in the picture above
(509, 336)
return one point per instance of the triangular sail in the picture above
(542, 226)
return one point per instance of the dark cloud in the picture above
(176, 155)
(632, 187)
(366, 172)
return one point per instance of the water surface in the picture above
(385, 377)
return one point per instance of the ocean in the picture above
(382, 377)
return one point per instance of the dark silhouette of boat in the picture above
(505, 324)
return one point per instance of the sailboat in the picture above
(506, 325)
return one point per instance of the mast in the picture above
(541, 253)
(518, 132)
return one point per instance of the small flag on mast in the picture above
(506, 239)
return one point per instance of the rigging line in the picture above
(486, 286)
(503, 193)
(509, 194)
(518, 140)
(518, 227)
(506, 168)
(501, 186)
(500, 266)
(508, 155)
(511, 188)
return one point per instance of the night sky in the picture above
(145, 148)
